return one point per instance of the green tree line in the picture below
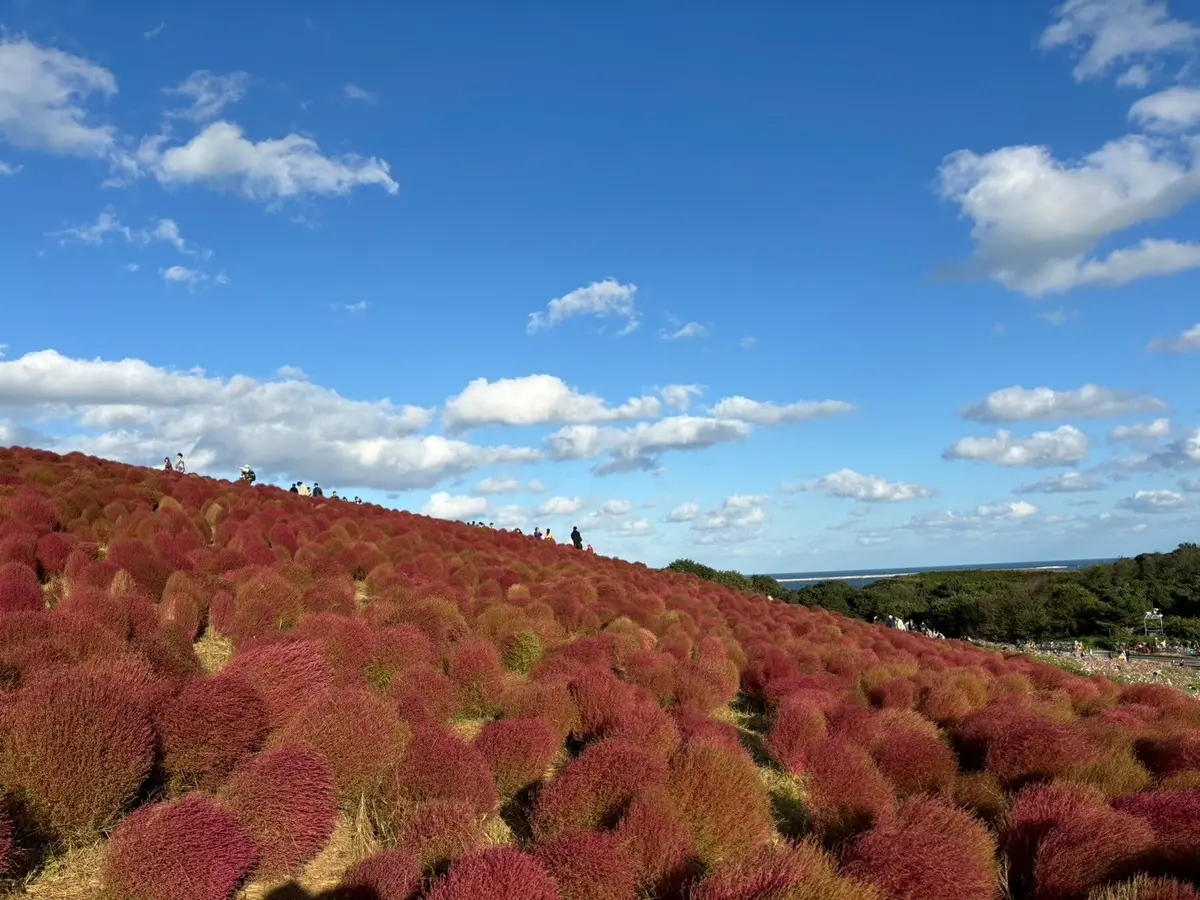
(1105, 601)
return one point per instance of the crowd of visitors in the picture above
(539, 535)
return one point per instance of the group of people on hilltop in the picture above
(176, 466)
(317, 491)
(539, 535)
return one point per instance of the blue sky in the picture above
(776, 289)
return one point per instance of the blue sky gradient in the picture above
(867, 223)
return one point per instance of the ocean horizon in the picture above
(862, 577)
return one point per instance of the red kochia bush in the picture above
(478, 672)
(77, 745)
(212, 725)
(1175, 818)
(53, 550)
(1034, 749)
(502, 873)
(20, 588)
(722, 799)
(356, 732)
(590, 865)
(602, 699)
(658, 843)
(189, 849)
(440, 831)
(391, 875)
(284, 799)
(798, 724)
(1034, 814)
(799, 871)
(914, 762)
(286, 676)
(1079, 854)
(928, 851)
(847, 794)
(518, 751)
(595, 788)
(439, 766)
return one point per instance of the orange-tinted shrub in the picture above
(502, 873)
(518, 751)
(721, 798)
(589, 865)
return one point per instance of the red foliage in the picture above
(1035, 749)
(1081, 853)
(549, 701)
(518, 751)
(847, 794)
(590, 865)
(1037, 811)
(391, 875)
(595, 789)
(722, 799)
(502, 873)
(188, 849)
(1170, 753)
(439, 831)
(798, 725)
(142, 563)
(478, 673)
(929, 851)
(53, 550)
(799, 871)
(658, 843)
(77, 745)
(286, 676)
(1175, 818)
(603, 701)
(914, 761)
(212, 725)
(284, 799)
(423, 696)
(439, 766)
(20, 588)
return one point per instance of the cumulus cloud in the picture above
(560, 506)
(740, 518)
(1042, 404)
(743, 409)
(685, 512)
(455, 507)
(1191, 485)
(182, 275)
(1148, 431)
(633, 528)
(1066, 483)
(131, 410)
(535, 486)
(1153, 501)
(600, 299)
(362, 95)
(683, 332)
(1112, 32)
(1065, 446)
(1176, 108)
(1180, 454)
(221, 157)
(537, 400)
(42, 92)
(639, 447)
(502, 485)
(1009, 509)
(1186, 342)
(679, 396)
(850, 485)
(209, 94)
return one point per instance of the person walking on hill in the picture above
(179, 466)
(316, 491)
(293, 489)
(167, 467)
(576, 538)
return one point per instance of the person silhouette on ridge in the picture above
(576, 538)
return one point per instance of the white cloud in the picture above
(504, 485)
(679, 396)
(633, 528)
(355, 309)
(41, 95)
(133, 411)
(209, 93)
(155, 31)
(291, 373)
(743, 409)
(107, 225)
(1065, 446)
(1043, 404)
(1010, 509)
(560, 506)
(1136, 76)
(1187, 342)
(454, 506)
(269, 170)
(600, 299)
(1066, 483)
(6, 169)
(1117, 31)
(747, 342)
(131, 267)
(535, 486)
(638, 448)
(182, 275)
(1149, 431)
(613, 508)
(1175, 109)
(354, 92)
(850, 485)
(683, 332)
(537, 400)
(737, 520)
(685, 512)
(1153, 501)
(1182, 453)
(1037, 219)
(1191, 485)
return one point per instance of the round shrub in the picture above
(391, 875)
(1035, 749)
(720, 796)
(284, 799)
(798, 725)
(20, 589)
(286, 676)
(928, 851)
(800, 871)
(548, 700)
(53, 551)
(502, 873)
(1174, 815)
(214, 723)
(1081, 853)
(1034, 813)
(439, 831)
(914, 762)
(188, 849)
(590, 865)
(602, 699)
(518, 752)
(847, 793)
(657, 842)
(439, 766)
(77, 746)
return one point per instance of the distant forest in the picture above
(1105, 602)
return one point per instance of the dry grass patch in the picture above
(76, 875)
(213, 650)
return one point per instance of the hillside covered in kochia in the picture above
(1107, 600)
(212, 690)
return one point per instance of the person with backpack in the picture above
(576, 538)
(316, 491)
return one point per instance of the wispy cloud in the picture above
(683, 332)
(210, 94)
(155, 31)
(354, 92)
(355, 309)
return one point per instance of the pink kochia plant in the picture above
(188, 849)
(502, 873)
